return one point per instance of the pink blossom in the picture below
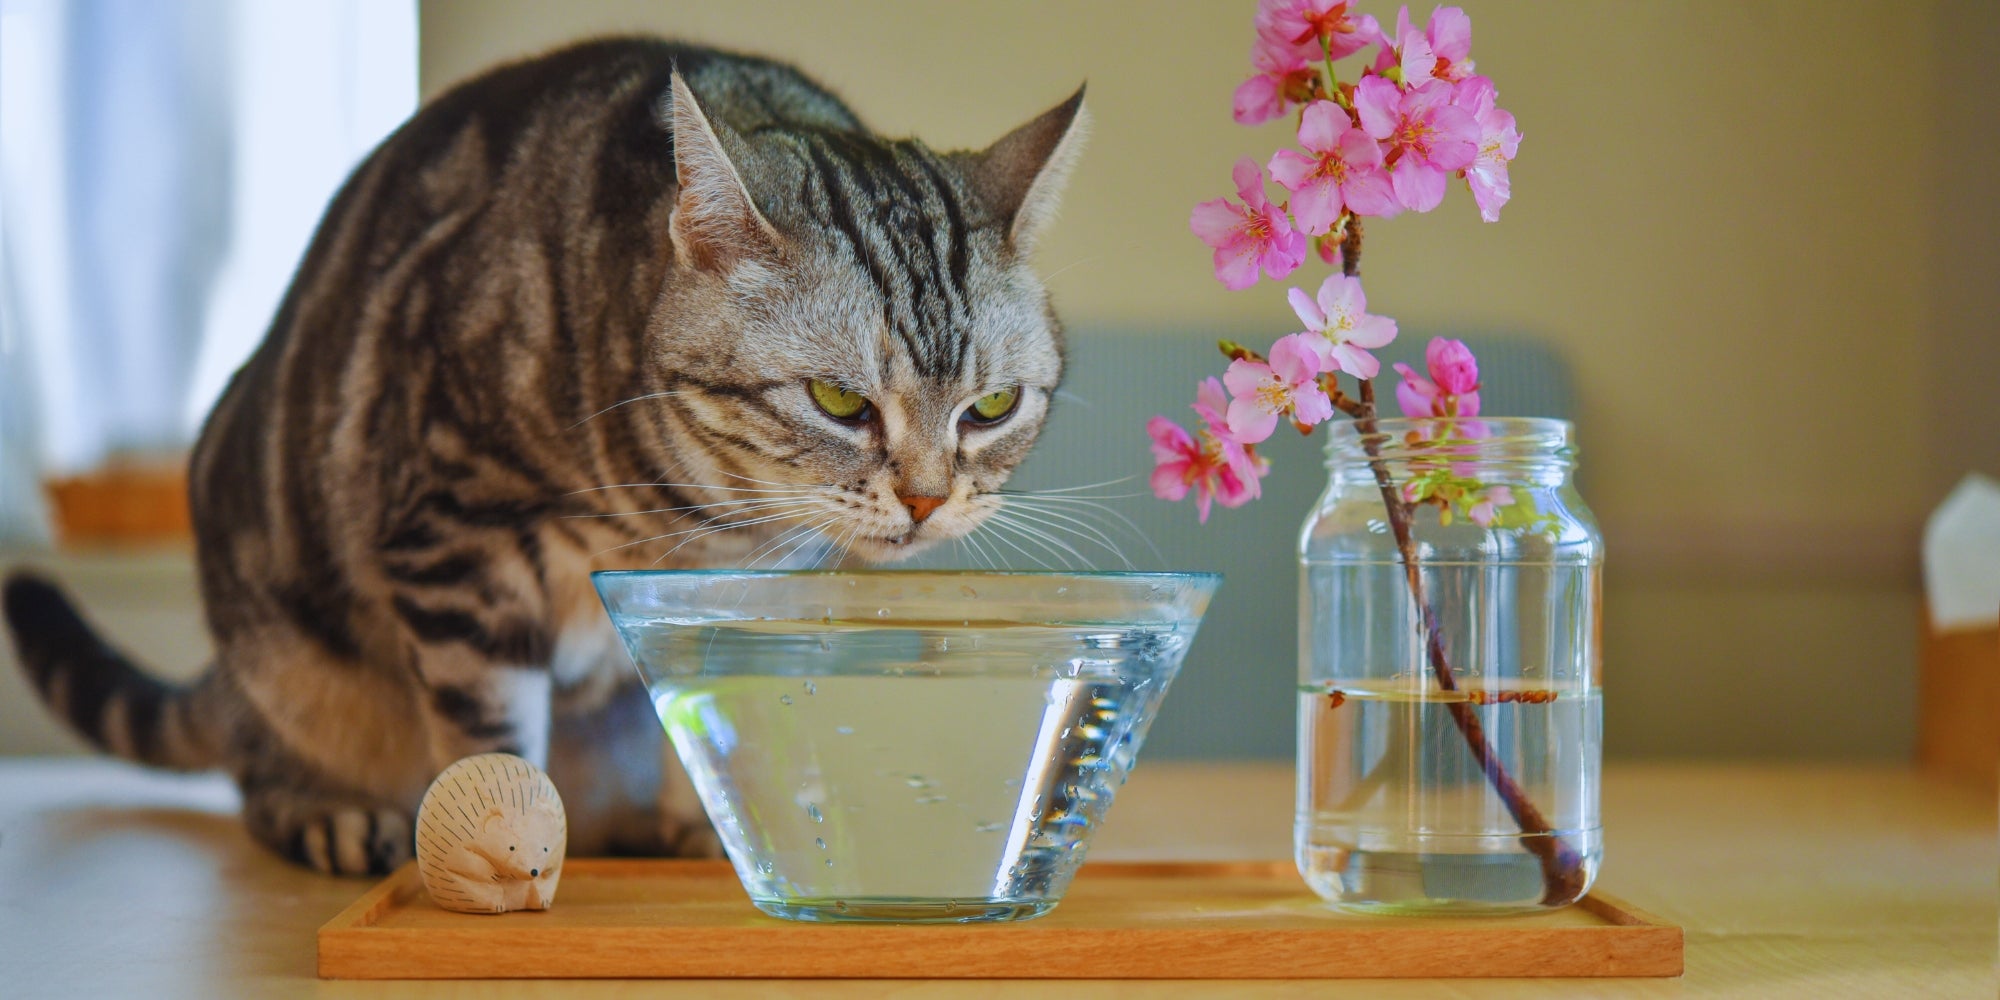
(1328, 249)
(1210, 403)
(1324, 28)
(1450, 38)
(1417, 396)
(1414, 59)
(1345, 172)
(1288, 386)
(1487, 510)
(1246, 237)
(1284, 79)
(1498, 141)
(1451, 391)
(1342, 330)
(1452, 366)
(1427, 138)
(1212, 462)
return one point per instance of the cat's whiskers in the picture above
(782, 511)
(1088, 508)
(704, 533)
(1010, 534)
(772, 546)
(816, 536)
(1077, 519)
(698, 486)
(1040, 536)
(741, 504)
(1065, 490)
(1086, 259)
(622, 402)
(972, 543)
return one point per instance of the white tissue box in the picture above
(1958, 686)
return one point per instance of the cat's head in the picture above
(858, 349)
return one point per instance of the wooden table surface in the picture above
(1807, 881)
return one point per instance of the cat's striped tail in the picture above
(104, 696)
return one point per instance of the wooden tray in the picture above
(690, 919)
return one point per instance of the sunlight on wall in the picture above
(321, 83)
(161, 169)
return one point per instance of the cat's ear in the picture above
(715, 222)
(1021, 177)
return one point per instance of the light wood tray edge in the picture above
(1635, 943)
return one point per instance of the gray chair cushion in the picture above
(1234, 698)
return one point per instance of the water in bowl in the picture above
(914, 772)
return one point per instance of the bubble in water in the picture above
(821, 841)
(766, 867)
(951, 906)
(924, 800)
(881, 612)
(990, 827)
(812, 688)
(844, 730)
(784, 699)
(967, 590)
(917, 781)
(812, 809)
(1061, 591)
(839, 904)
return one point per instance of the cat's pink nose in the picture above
(920, 506)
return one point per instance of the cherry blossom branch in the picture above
(1562, 867)
(1329, 383)
(1416, 116)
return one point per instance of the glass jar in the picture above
(1449, 713)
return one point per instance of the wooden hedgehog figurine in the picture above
(490, 836)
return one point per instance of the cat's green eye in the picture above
(838, 403)
(993, 406)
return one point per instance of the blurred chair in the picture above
(1234, 697)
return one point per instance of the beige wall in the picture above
(1763, 234)
(1751, 227)
(1723, 212)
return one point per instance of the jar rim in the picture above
(1477, 439)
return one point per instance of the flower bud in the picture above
(1452, 366)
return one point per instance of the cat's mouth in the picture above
(893, 548)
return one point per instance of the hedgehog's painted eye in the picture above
(993, 407)
(510, 847)
(840, 404)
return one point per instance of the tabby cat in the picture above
(632, 303)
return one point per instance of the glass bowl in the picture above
(906, 746)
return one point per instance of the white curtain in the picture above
(162, 165)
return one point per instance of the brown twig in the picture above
(1330, 384)
(1562, 868)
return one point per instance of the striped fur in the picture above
(563, 320)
